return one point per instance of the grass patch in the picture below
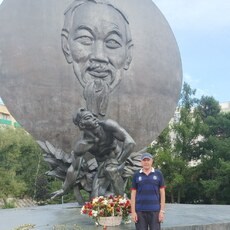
(8, 204)
(25, 227)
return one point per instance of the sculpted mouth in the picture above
(99, 74)
(96, 124)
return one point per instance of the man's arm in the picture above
(133, 205)
(162, 204)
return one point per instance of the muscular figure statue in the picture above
(110, 144)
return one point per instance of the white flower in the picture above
(94, 213)
(82, 209)
(95, 200)
(105, 202)
(122, 201)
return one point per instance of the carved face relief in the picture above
(98, 46)
(47, 91)
(88, 121)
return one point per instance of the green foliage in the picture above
(208, 106)
(41, 187)
(10, 185)
(200, 134)
(8, 204)
(187, 129)
(70, 197)
(21, 162)
(211, 188)
(128, 187)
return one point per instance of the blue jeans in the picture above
(148, 221)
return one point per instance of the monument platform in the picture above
(178, 217)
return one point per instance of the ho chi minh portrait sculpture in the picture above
(128, 73)
(96, 40)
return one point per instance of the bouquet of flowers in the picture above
(107, 206)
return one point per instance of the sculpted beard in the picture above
(98, 80)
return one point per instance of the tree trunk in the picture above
(172, 197)
(178, 196)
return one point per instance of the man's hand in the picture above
(161, 216)
(134, 217)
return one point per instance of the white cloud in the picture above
(190, 80)
(194, 84)
(196, 14)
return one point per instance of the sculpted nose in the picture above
(99, 53)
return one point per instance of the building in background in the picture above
(6, 119)
(225, 106)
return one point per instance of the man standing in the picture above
(148, 196)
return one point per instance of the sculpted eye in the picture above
(113, 44)
(84, 40)
(88, 117)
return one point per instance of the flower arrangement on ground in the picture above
(108, 206)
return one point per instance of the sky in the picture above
(202, 31)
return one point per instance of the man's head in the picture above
(84, 119)
(146, 160)
(96, 39)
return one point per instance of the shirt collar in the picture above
(153, 170)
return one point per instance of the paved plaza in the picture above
(178, 217)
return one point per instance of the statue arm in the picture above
(122, 135)
(127, 149)
(81, 147)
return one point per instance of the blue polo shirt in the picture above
(148, 190)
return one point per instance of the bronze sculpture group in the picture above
(100, 50)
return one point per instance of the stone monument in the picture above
(115, 62)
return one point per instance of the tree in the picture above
(170, 163)
(208, 106)
(20, 163)
(214, 151)
(9, 156)
(187, 129)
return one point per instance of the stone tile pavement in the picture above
(178, 217)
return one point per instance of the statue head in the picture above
(96, 40)
(84, 119)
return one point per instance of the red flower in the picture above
(108, 206)
(90, 213)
